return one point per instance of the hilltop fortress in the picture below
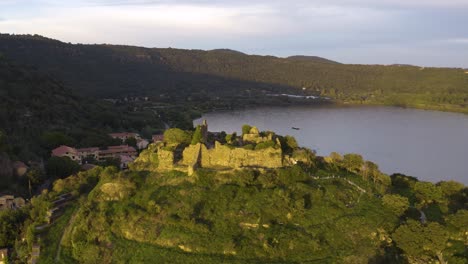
(216, 150)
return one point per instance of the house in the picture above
(88, 153)
(19, 168)
(158, 138)
(116, 152)
(142, 144)
(125, 160)
(10, 202)
(65, 151)
(125, 135)
(3, 255)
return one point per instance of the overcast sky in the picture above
(420, 32)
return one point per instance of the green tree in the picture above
(420, 241)
(353, 162)
(450, 188)
(336, 157)
(111, 162)
(177, 136)
(427, 193)
(231, 138)
(396, 203)
(370, 170)
(131, 141)
(61, 167)
(459, 220)
(35, 176)
(291, 142)
(2, 141)
(246, 129)
(53, 139)
(197, 136)
(10, 225)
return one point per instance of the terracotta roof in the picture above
(117, 149)
(62, 150)
(87, 149)
(126, 158)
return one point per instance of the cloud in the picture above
(358, 31)
(458, 41)
(356, 3)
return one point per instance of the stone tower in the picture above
(204, 131)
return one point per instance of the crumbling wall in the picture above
(226, 156)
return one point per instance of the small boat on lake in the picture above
(295, 128)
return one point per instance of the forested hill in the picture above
(117, 71)
(34, 105)
(32, 102)
(109, 71)
(311, 59)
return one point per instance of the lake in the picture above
(429, 145)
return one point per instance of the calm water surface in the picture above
(430, 145)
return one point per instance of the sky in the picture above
(418, 32)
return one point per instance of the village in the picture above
(87, 158)
(124, 154)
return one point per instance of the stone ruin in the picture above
(215, 155)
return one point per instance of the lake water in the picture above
(430, 145)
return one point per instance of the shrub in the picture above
(264, 145)
(177, 136)
(396, 203)
(61, 167)
(249, 146)
(246, 129)
(197, 136)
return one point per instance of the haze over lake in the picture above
(430, 145)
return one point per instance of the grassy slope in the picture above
(329, 221)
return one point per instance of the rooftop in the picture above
(87, 149)
(62, 150)
(118, 149)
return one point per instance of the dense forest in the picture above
(336, 209)
(196, 75)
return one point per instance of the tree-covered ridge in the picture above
(38, 110)
(196, 75)
(336, 209)
(38, 113)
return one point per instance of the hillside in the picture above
(38, 113)
(337, 209)
(33, 103)
(115, 71)
(311, 59)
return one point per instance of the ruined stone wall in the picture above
(255, 137)
(191, 154)
(166, 159)
(195, 156)
(225, 156)
(147, 160)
